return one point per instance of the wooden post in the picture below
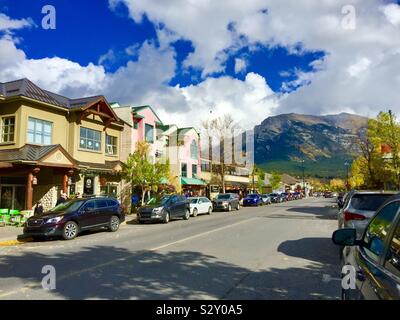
(29, 191)
(65, 182)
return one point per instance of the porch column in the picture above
(65, 182)
(29, 191)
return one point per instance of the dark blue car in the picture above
(252, 200)
(372, 264)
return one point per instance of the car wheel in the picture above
(166, 218)
(210, 210)
(238, 207)
(195, 212)
(187, 215)
(70, 230)
(229, 207)
(114, 224)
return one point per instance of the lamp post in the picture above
(347, 175)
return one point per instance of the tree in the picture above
(140, 172)
(222, 128)
(260, 174)
(337, 185)
(275, 180)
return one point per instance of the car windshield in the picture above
(368, 202)
(160, 201)
(67, 206)
(252, 196)
(273, 194)
(223, 196)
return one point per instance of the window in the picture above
(205, 166)
(193, 150)
(101, 204)
(149, 133)
(194, 170)
(90, 139)
(7, 129)
(89, 205)
(378, 229)
(184, 170)
(393, 258)
(39, 131)
(111, 145)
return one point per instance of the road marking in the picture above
(10, 243)
(33, 285)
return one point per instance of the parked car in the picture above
(68, 219)
(328, 194)
(199, 205)
(252, 199)
(340, 199)
(359, 207)
(266, 199)
(374, 260)
(164, 209)
(226, 202)
(297, 195)
(287, 196)
(276, 198)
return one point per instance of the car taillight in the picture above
(353, 216)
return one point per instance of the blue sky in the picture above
(251, 58)
(87, 29)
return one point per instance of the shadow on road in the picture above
(323, 212)
(107, 272)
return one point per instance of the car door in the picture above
(183, 205)
(103, 211)
(205, 205)
(87, 216)
(369, 256)
(174, 207)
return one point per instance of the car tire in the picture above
(114, 224)
(166, 218)
(195, 212)
(210, 210)
(229, 207)
(70, 230)
(187, 215)
(238, 207)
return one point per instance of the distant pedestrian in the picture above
(62, 198)
(79, 195)
(38, 209)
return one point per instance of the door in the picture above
(369, 270)
(6, 197)
(182, 205)
(102, 210)
(87, 215)
(174, 207)
(205, 205)
(88, 185)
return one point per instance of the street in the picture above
(280, 251)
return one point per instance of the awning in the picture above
(192, 181)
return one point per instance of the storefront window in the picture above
(109, 189)
(90, 139)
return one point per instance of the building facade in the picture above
(50, 143)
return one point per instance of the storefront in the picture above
(193, 186)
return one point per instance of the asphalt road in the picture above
(281, 251)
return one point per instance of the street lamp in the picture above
(347, 164)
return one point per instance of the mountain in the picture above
(325, 143)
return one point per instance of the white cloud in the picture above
(7, 24)
(392, 13)
(240, 65)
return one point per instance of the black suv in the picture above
(73, 216)
(226, 202)
(373, 262)
(165, 209)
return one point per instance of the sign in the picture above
(214, 189)
(34, 181)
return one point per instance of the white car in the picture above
(200, 205)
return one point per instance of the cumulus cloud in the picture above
(8, 24)
(240, 65)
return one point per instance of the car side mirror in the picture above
(345, 237)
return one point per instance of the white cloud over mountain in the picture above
(359, 73)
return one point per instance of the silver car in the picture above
(359, 207)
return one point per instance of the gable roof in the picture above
(140, 108)
(26, 88)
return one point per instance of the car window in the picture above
(112, 203)
(205, 200)
(101, 204)
(194, 201)
(392, 262)
(377, 231)
(223, 196)
(89, 205)
(369, 202)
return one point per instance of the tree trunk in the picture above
(143, 193)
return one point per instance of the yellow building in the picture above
(50, 143)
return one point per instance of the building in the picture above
(50, 143)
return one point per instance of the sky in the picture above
(197, 59)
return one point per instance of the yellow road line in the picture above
(10, 243)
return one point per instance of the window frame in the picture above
(392, 234)
(2, 125)
(195, 172)
(194, 153)
(42, 133)
(147, 125)
(115, 147)
(91, 139)
(186, 171)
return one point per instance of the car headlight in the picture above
(224, 202)
(158, 210)
(54, 220)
